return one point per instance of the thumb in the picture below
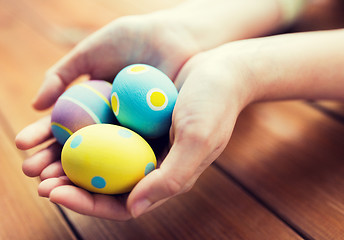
(189, 155)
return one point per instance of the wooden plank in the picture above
(291, 157)
(214, 209)
(67, 22)
(25, 56)
(61, 22)
(23, 214)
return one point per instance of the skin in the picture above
(234, 75)
(216, 76)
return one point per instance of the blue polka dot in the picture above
(149, 167)
(124, 133)
(98, 182)
(76, 141)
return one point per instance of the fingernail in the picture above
(140, 207)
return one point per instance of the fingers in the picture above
(45, 162)
(46, 186)
(59, 77)
(34, 134)
(52, 170)
(84, 202)
(59, 189)
(38, 164)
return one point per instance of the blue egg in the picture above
(143, 100)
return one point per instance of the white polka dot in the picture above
(157, 92)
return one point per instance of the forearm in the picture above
(214, 22)
(294, 66)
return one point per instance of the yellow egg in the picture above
(106, 158)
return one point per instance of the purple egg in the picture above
(81, 105)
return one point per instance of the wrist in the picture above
(295, 66)
(211, 24)
(226, 72)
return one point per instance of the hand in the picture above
(214, 87)
(128, 40)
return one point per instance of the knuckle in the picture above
(174, 186)
(201, 57)
(188, 187)
(193, 132)
(179, 185)
(180, 182)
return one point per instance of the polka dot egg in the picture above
(81, 105)
(106, 158)
(143, 99)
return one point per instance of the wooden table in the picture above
(281, 176)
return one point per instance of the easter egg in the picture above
(81, 105)
(143, 99)
(107, 158)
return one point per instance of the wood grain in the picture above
(291, 157)
(23, 214)
(214, 209)
(25, 56)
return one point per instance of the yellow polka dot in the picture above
(115, 103)
(138, 68)
(157, 99)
